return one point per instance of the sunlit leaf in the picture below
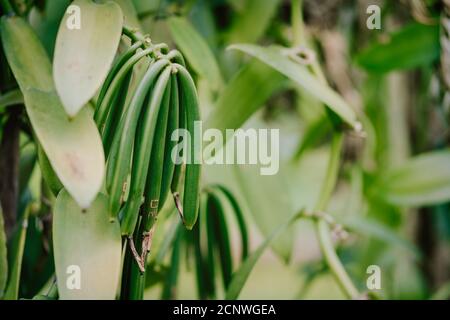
(275, 58)
(84, 56)
(413, 46)
(88, 245)
(196, 50)
(423, 180)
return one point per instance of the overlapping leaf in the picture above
(86, 245)
(84, 52)
(73, 147)
(275, 58)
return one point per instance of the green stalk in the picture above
(137, 277)
(132, 34)
(297, 23)
(322, 229)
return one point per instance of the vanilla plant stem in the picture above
(322, 228)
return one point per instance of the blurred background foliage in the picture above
(393, 190)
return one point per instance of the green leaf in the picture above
(84, 56)
(196, 51)
(275, 58)
(413, 46)
(87, 240)
(16, 256)
(46, 22)
(241, 275)
(31, 66)
(73, 146)
(245, 93)
(423, 180)
(3, 256)
(252, 20)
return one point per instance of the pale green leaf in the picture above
(275, 58)
(196, 50)
(422, 180)
(31, 67)
(84, 56)
(73, 147)
(87, 240)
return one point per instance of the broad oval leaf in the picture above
(196, 50)
(73, 147)
(246, 92)
(423, 180)
(84, 52)
(413, 46)
(274, 57)
(88, 245)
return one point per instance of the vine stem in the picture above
(298, 35)
(321, 226)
